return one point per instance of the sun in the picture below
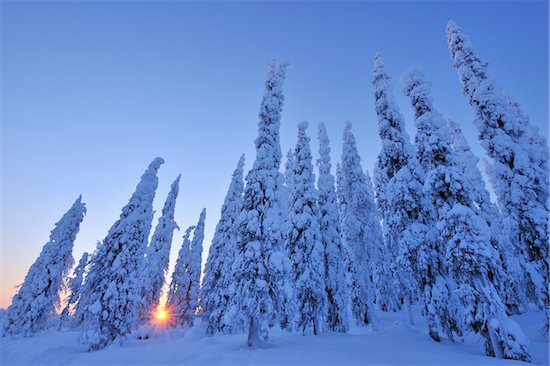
(161, 314)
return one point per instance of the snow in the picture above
(190, 346)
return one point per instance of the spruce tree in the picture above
(396, 147)
(356, 212)
(74, 289)
(512, 287)
(33, 307)
(330, 229)
(382, 278)
(217, 285)
(195, 262)
(519, 160)
(466, 269)
(261, 295)
(304, 246)
(113, 283)
(155, 263)
(177, 302)
(395, 154)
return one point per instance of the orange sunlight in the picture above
(161, 314)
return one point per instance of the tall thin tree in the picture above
(355, 230)
(330, 229)
(113, 284)
(155, 263)
(217, 285)
(34, 305)
(177, 302)
(260, 262)
(304, 246)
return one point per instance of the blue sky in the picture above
(93, 91)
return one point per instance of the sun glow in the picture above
(161, 314)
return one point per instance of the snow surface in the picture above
(394, 343)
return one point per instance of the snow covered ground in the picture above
(393, 343)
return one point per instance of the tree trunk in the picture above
(252, 332)
(409, 312)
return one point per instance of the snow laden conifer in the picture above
(382, 278)
(519, 160)
(398, 185)
(396, 147)
(356, 211)
(195, 262)
(155, 263)
(33, 307)
(466, 267)
(177, 301)
(74, 286)
(262, 295)
(395, 154)
(512, 287)
(330, 229)
(217, 286)
(286, 192)
(304, 246)
(113, 284)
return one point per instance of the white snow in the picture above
(394, 343)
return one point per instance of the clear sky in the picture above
(93, 91)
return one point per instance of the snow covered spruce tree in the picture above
(381, 263)
(74, 288)
(330, 229)
(434, 153)
(155, 263)
(467, 269)
(512, 289)
(195, 262)
(177, 301)
(304, 246)
(113, 283)
(395, 155)
(286, 192)
(34, 306)
(217, 285)
(519, 160)
(262, 296)
(357, 230)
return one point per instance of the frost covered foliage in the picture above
(34, 306)
(195, 261)
(465, 268)
(74, 289)
(398, 183)
(177, 302)
(112, 286)
(262, 294)
(385, 294)
(155, 263)
(330, 229)
(183, 296)
(359, 234)
(519, 160)
(286, 191)
(512, 290)
(396, 154)
(304, 246)
(404, 225)
(396, 147)
(217, 286)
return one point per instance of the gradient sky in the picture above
(93, 91)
